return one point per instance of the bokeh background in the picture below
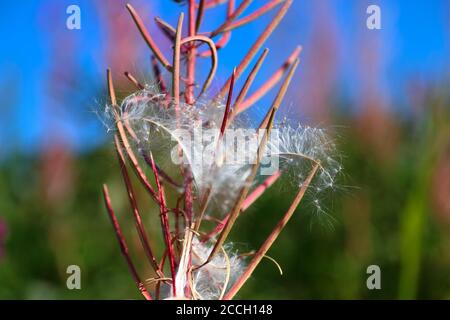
(384, 94)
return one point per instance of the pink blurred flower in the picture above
(441, 189)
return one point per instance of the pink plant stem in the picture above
(270, 83)
(188, 196)
(226, 36)
(161, 172)
(281, 93)
(213, 3)
(167, 178)
(161, 265)
(176, 65)
(166, 29)
(192, 50)
(235, 211)
(200, 13)
(228, 105)
(194, 25)
(251, 198)
(253, 16)
(136, 215)
(148, 39)
(133, 80)
(128, 128)
(165, 223)
(257, 45)
(126, 144)
(266, 125)
(271, 238)
(169, 32)
(214, 58)
(247, 84)
(123, 245)
(240, 9)
(222, 42)
(177, 217)
(158, 76)
(207, 194)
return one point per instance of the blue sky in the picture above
(37, 47)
